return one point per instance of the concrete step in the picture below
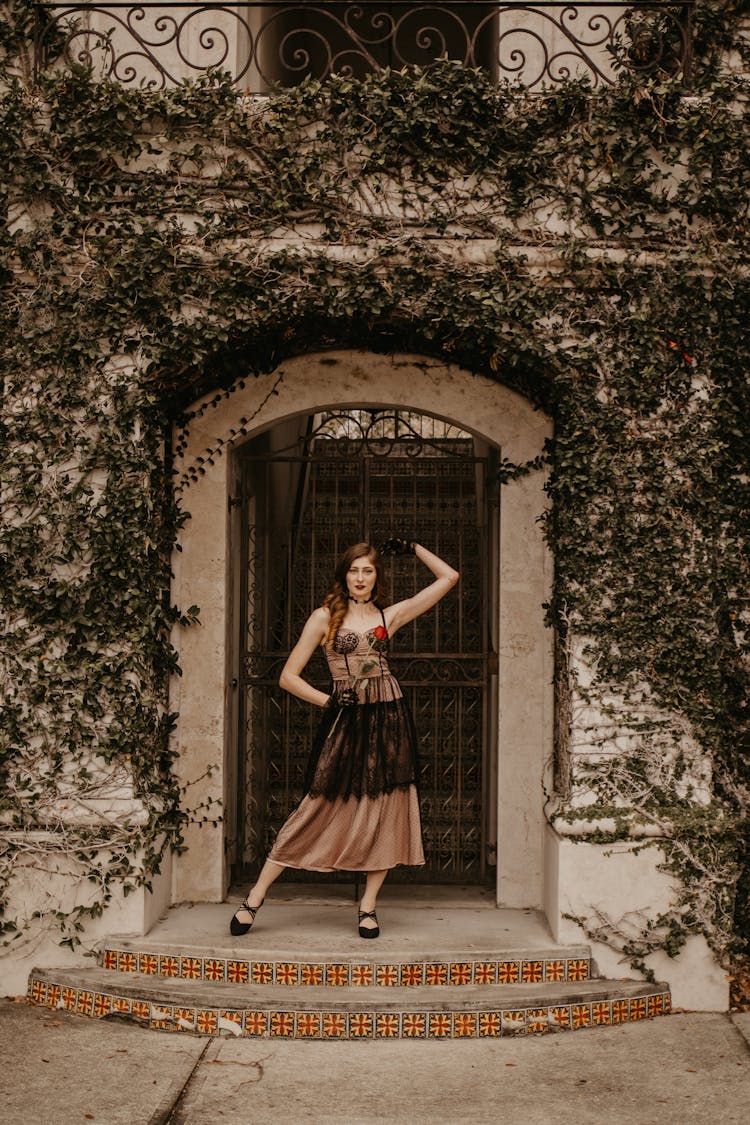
(345, 1012)
(312, 939)
(507, 967)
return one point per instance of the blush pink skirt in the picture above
(352, 834)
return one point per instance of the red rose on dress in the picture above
(380, 633)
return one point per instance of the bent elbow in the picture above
(455, 577)
(284, 680)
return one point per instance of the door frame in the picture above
(203, 741)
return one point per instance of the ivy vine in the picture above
(587, 250)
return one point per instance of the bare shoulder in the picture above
(319, 619)
(318, 623)
(314, 631)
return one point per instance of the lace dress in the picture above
(360, 811)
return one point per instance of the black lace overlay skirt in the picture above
(367, 749)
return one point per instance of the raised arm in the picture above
(311, 636)
(445, 579)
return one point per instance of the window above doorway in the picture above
(264, 45)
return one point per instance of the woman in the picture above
(360, 811)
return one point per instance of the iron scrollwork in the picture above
(263, 45)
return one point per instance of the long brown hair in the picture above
(337, 599)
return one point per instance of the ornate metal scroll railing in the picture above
(262, 45)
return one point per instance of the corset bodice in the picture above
(352, 652)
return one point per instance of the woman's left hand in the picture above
(396, 546)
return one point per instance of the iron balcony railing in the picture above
(265, 45)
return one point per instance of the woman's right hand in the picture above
(344, 697)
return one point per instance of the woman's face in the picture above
(361, 577)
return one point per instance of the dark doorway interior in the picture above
(308, 490)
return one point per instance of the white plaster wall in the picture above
(349, 378)
(44, 883)
(621, 883)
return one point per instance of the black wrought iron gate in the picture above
(353, 476)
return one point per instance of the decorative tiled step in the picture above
(506, 968)
(346, 1012)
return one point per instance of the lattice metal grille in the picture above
(301, 510)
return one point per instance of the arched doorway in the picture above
(206, 695)
(307, 488)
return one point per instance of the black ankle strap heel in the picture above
(236, 928)
(368, 931)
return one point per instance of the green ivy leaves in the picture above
(587, 251)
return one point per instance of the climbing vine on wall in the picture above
(588, 251)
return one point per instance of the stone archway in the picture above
(203, 576)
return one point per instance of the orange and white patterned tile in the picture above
(214, 968)
(460, 972)
(580, 1015)
(169, 966)
(619, 1011)
(537, 1020)
(287, 972)
(282, 1025)
(127, 962)
(334, 1025)
(386, 975)
(578, 969)
(638, 1009)
(69, 997)
(414, 1025)
(412, 975)
(184, 1019)
(489, 1024)
(439, 1025)
(362, 975)
(311, 974)
(238, 972)
(436, 973)
(485, 972)
(559, 1017)
(360, 1025)
(386, 1025)
(261, 972)
(207, 1021)
(464, 1025)
(85, 1003)
(601, 1012)
(308, 1025)
(38, 991)
(102, 1005)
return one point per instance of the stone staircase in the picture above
(304, 974)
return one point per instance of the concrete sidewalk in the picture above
(58, 1069)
